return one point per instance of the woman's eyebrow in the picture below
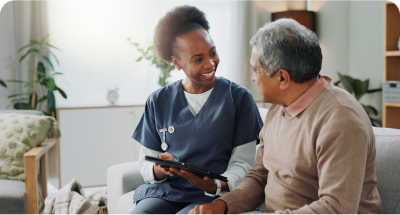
(202, 54)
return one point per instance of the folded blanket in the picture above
(71, 199)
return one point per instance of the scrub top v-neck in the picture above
(228, 119)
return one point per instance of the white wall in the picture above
(366, 47)
(351, 39)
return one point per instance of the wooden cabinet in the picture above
(93, 139)
(391, 110)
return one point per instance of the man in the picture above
(317, 149)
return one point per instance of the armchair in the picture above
(23, 197)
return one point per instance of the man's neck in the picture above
(297, 90)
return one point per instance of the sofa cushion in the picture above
(18, 134)
(125, 203)
(12, 197)
(388, 167)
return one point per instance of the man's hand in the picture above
(216, 207)
(206, 183)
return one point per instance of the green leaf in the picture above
(19, 94)
(51, 101)
(347, 82)
(41, 70)
(370, 110)
(30, 44)
(129, 38)
(44, 38)
(3, 83)
(34, 41)
(26, 54)
(49, 62)
(375, 122)
(139, 59)
(51, 85)
(17, 81)
(61, 92)
(56, 73)
(22, 106)
(366, 85)
(52, 46)
(46, 113)
(58, 63)
(358, 87)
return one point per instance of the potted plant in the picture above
(150, 54)
(41, 79)
(358, 88)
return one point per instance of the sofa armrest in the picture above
(121, 179)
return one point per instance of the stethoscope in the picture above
(164, 145)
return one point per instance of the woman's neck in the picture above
(196, 88)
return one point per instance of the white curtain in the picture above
(19, 22)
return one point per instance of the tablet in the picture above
(186, 166)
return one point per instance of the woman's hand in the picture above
(206, 183)
(161, 172)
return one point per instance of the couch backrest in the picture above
(387, 142)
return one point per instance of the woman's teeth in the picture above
(208, 74)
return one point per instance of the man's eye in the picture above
(214, 53)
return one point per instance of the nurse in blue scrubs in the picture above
(204, 120)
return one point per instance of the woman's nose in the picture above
(210, 64)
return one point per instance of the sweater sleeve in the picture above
(146, 167)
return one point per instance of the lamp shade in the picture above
(304, 17)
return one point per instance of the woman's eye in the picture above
(198, 60)
(214, 53)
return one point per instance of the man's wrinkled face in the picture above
(268, 86)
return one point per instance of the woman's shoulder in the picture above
(165, 93)
(237, 91)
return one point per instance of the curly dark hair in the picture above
(177, 22)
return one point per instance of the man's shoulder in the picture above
(335, 98)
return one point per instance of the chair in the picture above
(123, 179)
(23, 197)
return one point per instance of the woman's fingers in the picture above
(167, 156)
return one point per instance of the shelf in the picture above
(392, 53)
(391, 104)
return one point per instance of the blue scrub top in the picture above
(228, 119)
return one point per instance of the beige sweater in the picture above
(320, 161)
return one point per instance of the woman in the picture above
(203, 120)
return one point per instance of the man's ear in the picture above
(284, 79)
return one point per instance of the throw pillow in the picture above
(18, 134)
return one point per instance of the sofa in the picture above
(123, 179)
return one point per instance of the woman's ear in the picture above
(176, 63)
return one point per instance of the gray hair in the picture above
(285, 44)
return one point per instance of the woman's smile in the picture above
(209, 75)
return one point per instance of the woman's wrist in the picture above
(158, 174)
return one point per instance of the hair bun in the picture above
(175, 23)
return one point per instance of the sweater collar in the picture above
(308, 97)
